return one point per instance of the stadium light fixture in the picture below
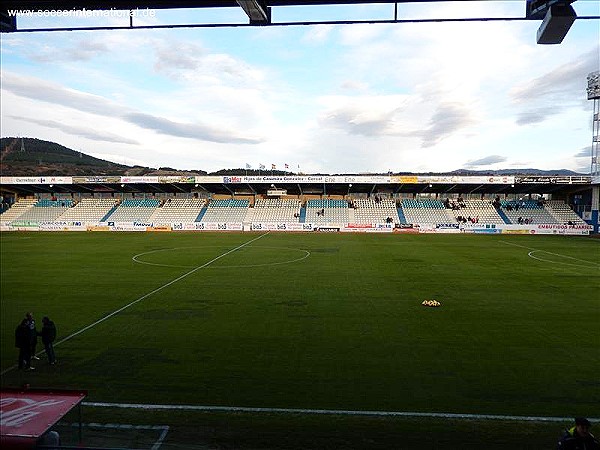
(593, 89)
(556, 24)
(593, 93)
(257, 11)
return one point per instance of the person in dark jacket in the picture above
(48, 335)
(23, 343)
(579, 437)
(33, 334)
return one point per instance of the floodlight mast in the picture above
(593, 93)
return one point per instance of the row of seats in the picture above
(229, 210)
(371, 211)
(275, 210)
(422, 204)
(89, 210)
(327, 203)
(45, 203)
(140, 203)
(178, 210)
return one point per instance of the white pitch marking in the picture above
(139, 261)
(164, 429)
(108, 316)
(332, 412)
(530, 254)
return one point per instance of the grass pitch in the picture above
(318, 321)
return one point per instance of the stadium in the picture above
(270, 309)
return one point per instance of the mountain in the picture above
(35, 157)
(538, 172)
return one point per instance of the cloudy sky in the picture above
(321, 98)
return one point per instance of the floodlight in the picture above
(593, 89)
(556, 24)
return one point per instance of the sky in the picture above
(360, 98)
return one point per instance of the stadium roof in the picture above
(301, 185)
(558, 15)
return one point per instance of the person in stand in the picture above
(48, 335)
(23, 343)
(33, 335)
(579, 437)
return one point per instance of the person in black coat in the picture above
(48, 335)
(33, 334)
(579, 437)
(23, 343)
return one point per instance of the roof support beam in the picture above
(257, 11)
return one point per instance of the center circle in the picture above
(217, 257)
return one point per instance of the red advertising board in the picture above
(25, 415)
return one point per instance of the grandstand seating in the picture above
(228, 210)
(45, 210)
(134, 210)
(427, 211)
(184, 210)
(89, 210)
(479, 209)
(276, 210)
(17, 209)
(322, 211)
(317, 211)
(563, 213)
(370, 211)
(526, 209)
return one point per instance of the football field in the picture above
(312, 321)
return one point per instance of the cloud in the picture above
(37, 89)
(187, 56)
(359, 120)
(192, 62)
(533, 116)
(354, 85)
(82, 50)
(585, 152)
(187, 130)
(394, 115)
(486, 161)
(317, 34)
(84, 132)
(55, 94)
(557, 90)
(448, 119)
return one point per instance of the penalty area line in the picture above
(158, 289)
(340, 412)
(163, 429)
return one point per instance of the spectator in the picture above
(579, 437)
(48, 335)
(50, 439)
(23, 343)
(33, 334)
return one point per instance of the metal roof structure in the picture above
(557, 15)
(302, 185)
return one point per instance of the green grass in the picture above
(323, 321)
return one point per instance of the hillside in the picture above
(33, 157)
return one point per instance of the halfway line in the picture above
(108, 316)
